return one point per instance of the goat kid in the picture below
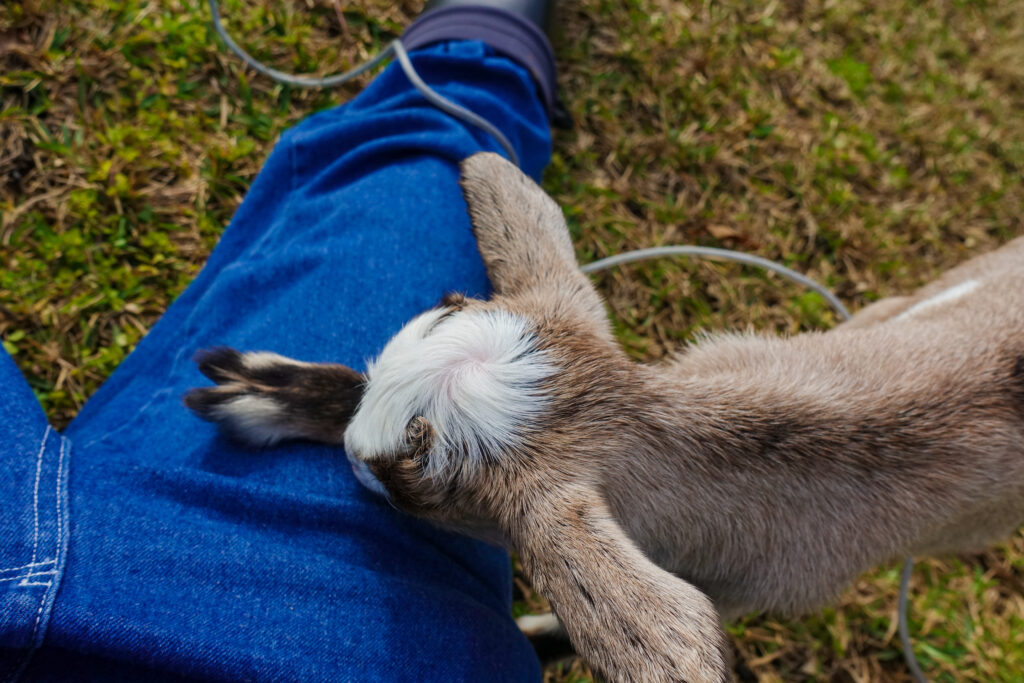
(648, 502)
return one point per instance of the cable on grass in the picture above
(394, 48)
(721, 255)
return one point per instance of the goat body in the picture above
(649, 501)
(771, 472)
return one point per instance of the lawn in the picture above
(869, 144)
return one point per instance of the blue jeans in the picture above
(143, 545)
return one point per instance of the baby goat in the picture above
(648, 502)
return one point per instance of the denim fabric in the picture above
(190, 557)
(33, 519)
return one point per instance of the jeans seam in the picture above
(35, 523)
(48, 595)
(35, 495)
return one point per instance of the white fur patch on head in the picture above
(474, 376)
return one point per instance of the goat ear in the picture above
(524, 241)
(263, 398)
(625, 615)
(519, 229)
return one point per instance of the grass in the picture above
(869, 144)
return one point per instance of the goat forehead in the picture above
(476, 376)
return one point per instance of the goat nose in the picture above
(365, 476)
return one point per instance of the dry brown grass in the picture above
(869, 144)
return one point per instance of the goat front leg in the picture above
(632, 621)
(262, 398)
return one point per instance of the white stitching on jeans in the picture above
(35, 626)
(52, 573)
(28, 576)
(35, 512)
(58, 494)
(60, 519)
(41, 563)
(35, 494)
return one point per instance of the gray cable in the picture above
(724, 255)
(289, 79)
(908, 648)
(444, 104)
(398, 50)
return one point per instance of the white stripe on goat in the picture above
(945, 296)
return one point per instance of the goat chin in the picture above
(749, 473)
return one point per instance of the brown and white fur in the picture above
(648, 502)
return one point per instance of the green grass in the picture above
(869, 144)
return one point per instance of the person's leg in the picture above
(190, 556)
